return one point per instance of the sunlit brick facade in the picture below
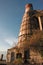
(32, 22)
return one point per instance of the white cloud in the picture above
(6, 39)
(4, 46)
(11, 41)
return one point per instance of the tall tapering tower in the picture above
(30, 38)
(25, 29)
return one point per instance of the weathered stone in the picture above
(30, 39)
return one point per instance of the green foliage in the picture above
(41, 52)
(18, 61)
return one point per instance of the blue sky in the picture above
(11, 12)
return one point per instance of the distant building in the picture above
(32, 22)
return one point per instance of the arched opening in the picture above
(34, 23)
(42, 25)
(12, 56)
(18, 55)
(42, 21)
(26, 54)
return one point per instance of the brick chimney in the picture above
(28, 7)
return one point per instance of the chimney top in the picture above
(28, 5)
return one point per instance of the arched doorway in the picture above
(26, 54)
(12, 56)
(18, 55)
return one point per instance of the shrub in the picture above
(18, 61)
